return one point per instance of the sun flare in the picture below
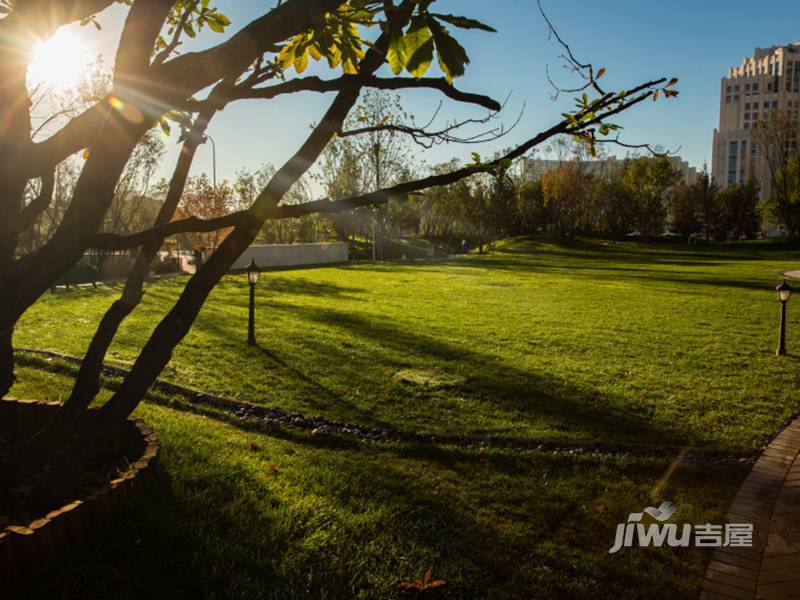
(59, 62)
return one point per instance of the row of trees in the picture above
(642, 195)
(777, 141)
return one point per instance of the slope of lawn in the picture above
(247, 513)
(581, 340)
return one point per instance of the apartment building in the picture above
(767, 80)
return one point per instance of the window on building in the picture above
(736, 88)
(746, 116)
(727, 99)
(755, 105)
(755, 87)
(736, 98)
(747, 106)
(728, 89)
(733, 150)
(746, 87)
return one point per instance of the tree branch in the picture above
(316, 84)
(113, 241)
(38, 204)
(43, 17)
(74, 136)
(654, 151)
(142, 27)
(108, 241)
(176, 38)
(188, 73)
(427, 138)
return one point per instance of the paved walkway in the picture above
(769, 499)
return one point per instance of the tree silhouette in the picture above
(154, 85)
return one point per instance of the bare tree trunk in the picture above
(42, 446)
(14, 138)
(6, 362)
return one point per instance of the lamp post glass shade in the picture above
(784, 291)
(253, 272)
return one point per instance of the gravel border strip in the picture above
(318, 425)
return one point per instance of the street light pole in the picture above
(251, 326)
(784, 293)
(377, 227)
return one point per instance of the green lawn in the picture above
(587, 340)
(252, 515)
(592, 340)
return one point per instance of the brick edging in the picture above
(26, 550)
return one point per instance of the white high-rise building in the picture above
(768, 80)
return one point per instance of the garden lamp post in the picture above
(253, 273)
(784, 293)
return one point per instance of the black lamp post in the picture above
(784, 293)
(253, 273)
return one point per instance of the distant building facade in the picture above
(532, 169)
(768, 80)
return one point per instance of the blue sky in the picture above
(635, 40)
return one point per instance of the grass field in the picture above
(592, 340)
(586, 340)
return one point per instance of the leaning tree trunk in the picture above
(6, 362)
(62, 477)
(15, 129)
(46, 442)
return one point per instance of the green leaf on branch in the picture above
(463, 22)
(418, 47)
(476, 160)
(396, 55)
(452, 56)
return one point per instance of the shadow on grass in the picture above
(354, 524)
(533, 397)
(600, 265)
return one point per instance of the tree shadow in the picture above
(355, 524)
(592, 263)
(528, 398)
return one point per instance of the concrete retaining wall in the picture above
(292, 255)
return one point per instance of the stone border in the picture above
(320, 426)
(26, 550)
(769, 499)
